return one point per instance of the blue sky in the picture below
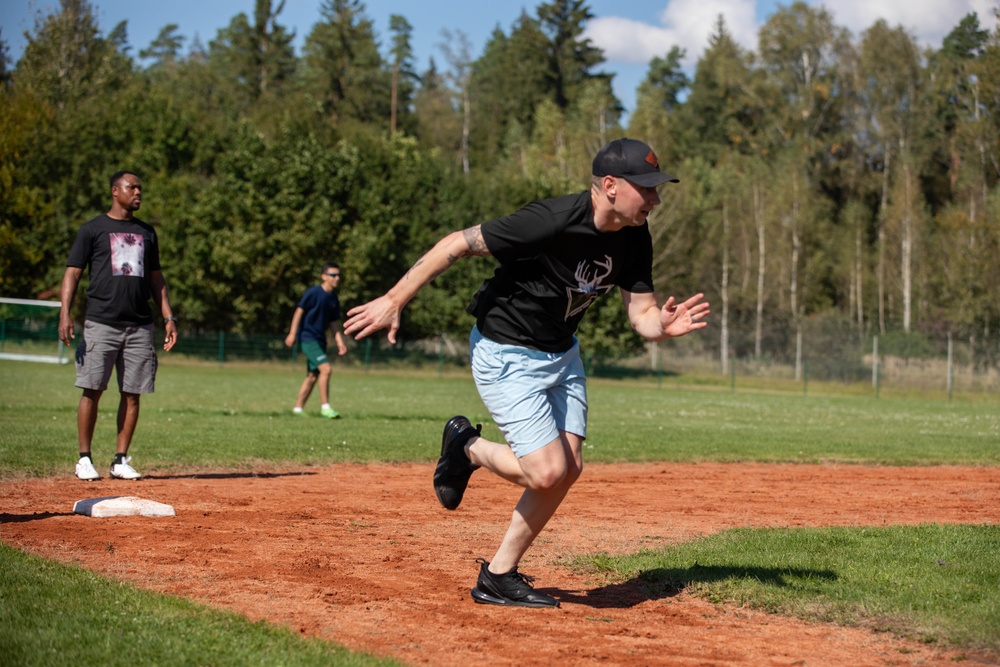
(631, 32)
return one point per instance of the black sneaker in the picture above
(512, 589)
(454, 467)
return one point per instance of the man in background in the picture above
(318, 308)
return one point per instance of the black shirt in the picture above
(121, 256)
(554, 263)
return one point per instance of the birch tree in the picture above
(891, 63)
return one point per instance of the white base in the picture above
(121, 506)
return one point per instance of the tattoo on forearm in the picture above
(477, 246)
(474, 237)
(451, 260)
(415, 265)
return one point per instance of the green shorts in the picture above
(315, 355)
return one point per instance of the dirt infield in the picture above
(364, 556)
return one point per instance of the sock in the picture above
(325, 406)
(84, 455)
(296, 409)
(119, 458)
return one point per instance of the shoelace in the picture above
(513, 574)
(523, 578)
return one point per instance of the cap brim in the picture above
(652, 179)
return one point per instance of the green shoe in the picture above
(330, 413)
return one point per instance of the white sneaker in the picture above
(123, 470)
(86, 471)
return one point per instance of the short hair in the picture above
(117, 176)
(328, 266)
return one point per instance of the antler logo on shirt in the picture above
(590, 278)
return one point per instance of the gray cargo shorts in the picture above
(129, 350)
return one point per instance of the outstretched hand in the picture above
(679, 319)
(377, 314)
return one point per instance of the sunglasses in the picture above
(333, 275)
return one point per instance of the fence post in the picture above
(951, 373)
(724, 349)
(440, 357)
(798, 354)
(805, 377)
(368, 354)
(222, 347)
(659, 365)
(875, 364)
(732, 373)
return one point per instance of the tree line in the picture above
(849, 180)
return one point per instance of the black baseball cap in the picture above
(632, 160)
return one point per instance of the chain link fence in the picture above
(870, 362)
(776, 358)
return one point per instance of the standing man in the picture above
(318, 308)
(123, 256)
(556, 257)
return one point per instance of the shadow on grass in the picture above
(231, 475)
(664, 583)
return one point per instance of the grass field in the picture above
(239, 417)
(204, 415)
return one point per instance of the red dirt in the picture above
(364, 556)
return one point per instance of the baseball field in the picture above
(710, 527)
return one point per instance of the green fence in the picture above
(224, 347)
(942, 366)
(29, 330)
(871, 364)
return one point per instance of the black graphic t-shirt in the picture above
(121, 256)
(553, 265)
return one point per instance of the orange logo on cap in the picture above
(651, 159)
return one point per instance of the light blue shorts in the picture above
(531, 395)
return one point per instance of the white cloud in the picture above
(684, 23)
(689, 23)
(929, 21)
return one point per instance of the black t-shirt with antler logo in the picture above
(553, 265)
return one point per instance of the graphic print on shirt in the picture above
(589, 277)
(127, 254)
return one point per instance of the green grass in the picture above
(239, 416)
(52, 614)
(936, 584)
(928, 582)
